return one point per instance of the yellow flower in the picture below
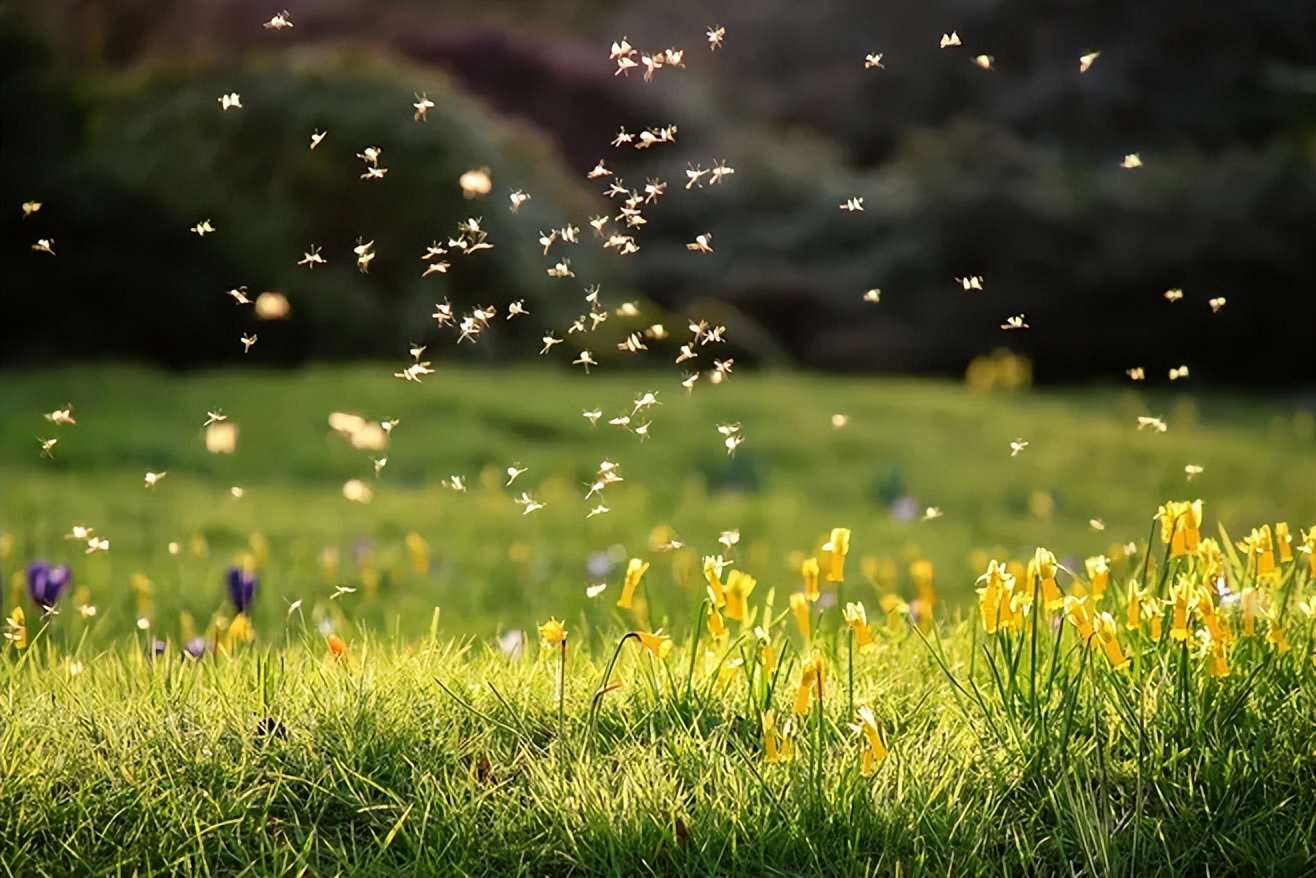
(857, 618)
(896, 611)
(1219, 663)
(811, 678)
(989, 596)
(419, 551)
(767, 655)
(1098, 568)
(1106, 636)
(329, 563)
(1133, 608)
(1206, 609)
(1260, 551)
(1211, 561)
(1275, 636)
(809, 570)
(1308, 548)
(776, 746)
(1249, 601)
(1043, 566)
(657, 643)
(738, 587)
(634, 572)
(1181, 595)
(716, 627)
(713, 573)
(1180, 524)
(16, 628)
(1284, 542)
(1076, 611)
(553, 632)
(921, 572)
(839, 547)
(876, 750)
(800, 609)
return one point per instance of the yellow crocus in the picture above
(1181, 522)
(811, 678)
(16, 628)
(716, 626)
(553, 632)
(1308, 548)
(1284, 542)
(897, 611)
(776, 746)
(739, 585)
(1043, 566)
(800, 609)
(1076, 611)
(1219, 661)
(857, 618)
(1259, 547)
(1205, 607)
(713, 574)
(921, 572)
(658, 643)
(419, 552)
(767, 654)
(1249, 601)
(839, 547)
(1105, 626)
(1133, 608)
(1098, 567)
(809, 571)
(989, 596)
(1275, 636)
(634, 573)
(1210, 560)
(876, 750)
(1181, 595)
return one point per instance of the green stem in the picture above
(562, 689)
(603, 688)
(850, 669)
(694, 647)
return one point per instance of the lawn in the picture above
(376, 711)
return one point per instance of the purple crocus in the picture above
(158, 647)
(241, 588)
(195, 648)
(44, 583)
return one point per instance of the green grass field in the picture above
(424, 749)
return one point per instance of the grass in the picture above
(1016, 746)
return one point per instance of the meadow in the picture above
(941, 697)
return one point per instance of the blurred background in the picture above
(109, 117)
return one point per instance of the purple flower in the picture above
(158, 647)
(241, 588)
(44, 583)
(195, 648)
(905, 509)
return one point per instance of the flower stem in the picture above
(562, 689)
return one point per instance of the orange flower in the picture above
(337, 646)
(634, 573)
